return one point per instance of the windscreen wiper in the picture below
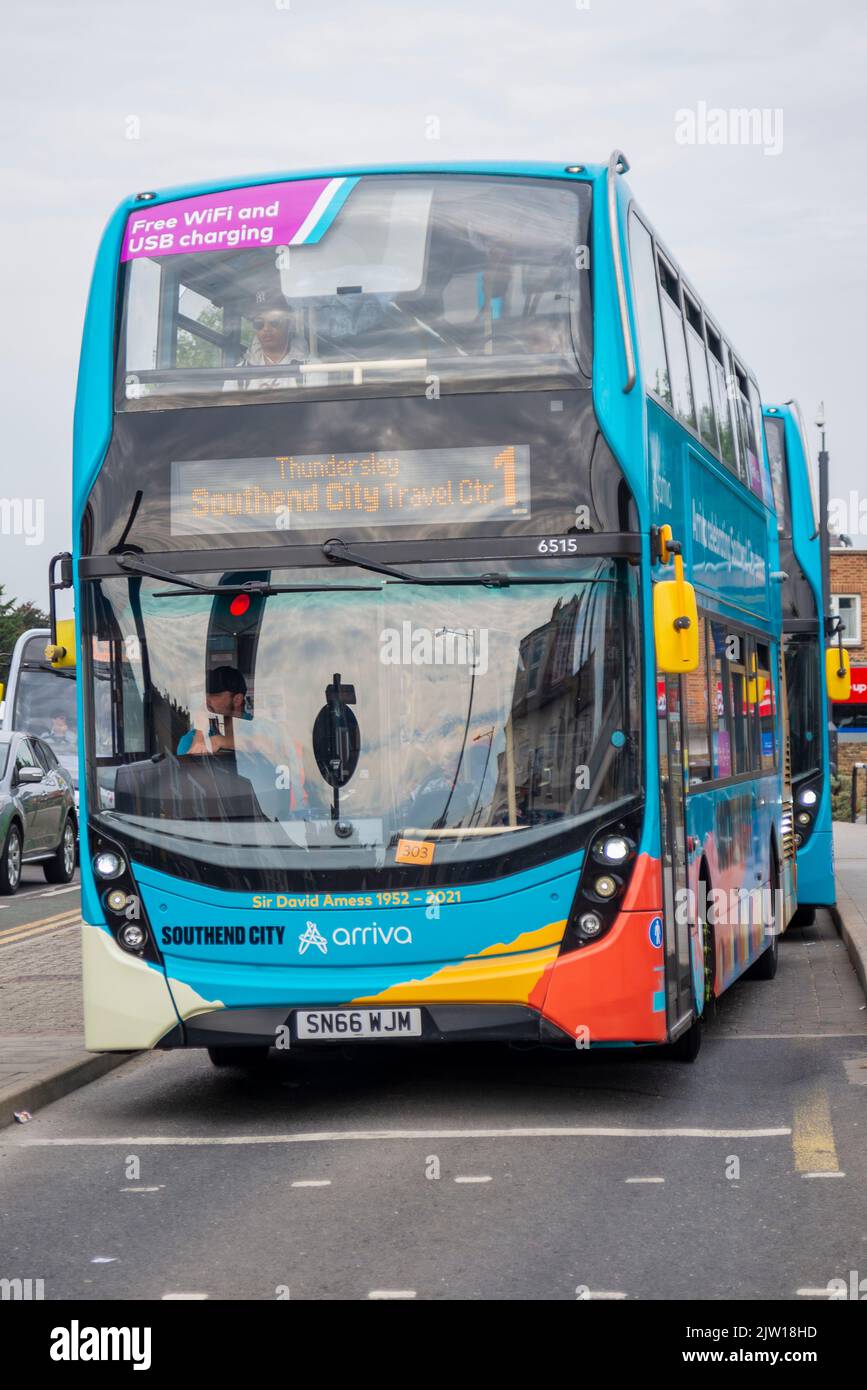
(135, 564)
(138, 565)
(338, 552)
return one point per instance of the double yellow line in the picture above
(43, 927)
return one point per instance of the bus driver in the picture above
(226, 698)
(276, 341)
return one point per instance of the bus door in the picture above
(672, 815)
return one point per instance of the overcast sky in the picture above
(774, 242)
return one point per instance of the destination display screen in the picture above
(312, 492)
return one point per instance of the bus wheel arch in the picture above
(706, 934)
(765, 967)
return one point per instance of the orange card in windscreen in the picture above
(414, 852)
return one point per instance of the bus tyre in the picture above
(238, 1056)
(60, 868)
(688, 1045)
(10, 861)
(765, 968)
(804, 917)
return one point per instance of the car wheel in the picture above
(60, 868)
(10, 861)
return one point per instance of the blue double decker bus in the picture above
(425, 564)
(813, 664)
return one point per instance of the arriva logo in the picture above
(312, 937)
(353, 936)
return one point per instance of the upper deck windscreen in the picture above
(374, 285)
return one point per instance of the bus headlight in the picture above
(108, 865)
(605, 886)
(117, 900)
(614, 849)
(808, 797)
(590, 923)
(803, 818)
(132, 936)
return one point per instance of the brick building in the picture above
(849, 601)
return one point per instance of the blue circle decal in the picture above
(655, 932)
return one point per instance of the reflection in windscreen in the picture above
(45, 705)
(802, 688)
(480, 713)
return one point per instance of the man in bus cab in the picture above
(59, 731)
(276, 342)
(263, 749)
(226, 698)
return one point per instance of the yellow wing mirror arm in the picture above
(61, 649)
(838, 672)
(675, 612)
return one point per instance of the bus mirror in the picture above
(61, 651)
(336, 736)
(675, 626)
(756, 685)
(838, 676)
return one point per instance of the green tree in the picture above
(15, 618)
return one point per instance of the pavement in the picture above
(42, 1054)
(850, 859)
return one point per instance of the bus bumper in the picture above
(611, 992)
(816, 871)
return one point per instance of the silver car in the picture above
(37, 812)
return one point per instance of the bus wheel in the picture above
(238, 1056)
(10, 861)
(60, 868)
(765, 968)
(708, 952)
(688, 1045)
(804, 917)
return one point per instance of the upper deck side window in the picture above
(675, 343)
(383, 285)
(700, 372)
(654, 365)
(750, 451)
(775, 439)
(686, 364)
(717, 358)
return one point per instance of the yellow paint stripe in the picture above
(498, 981)
(504, 973)
(46, 921)
(813, 1134)
(11, 938)
(22, 937)
(550, 935)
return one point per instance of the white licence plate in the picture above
(340, 1025)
